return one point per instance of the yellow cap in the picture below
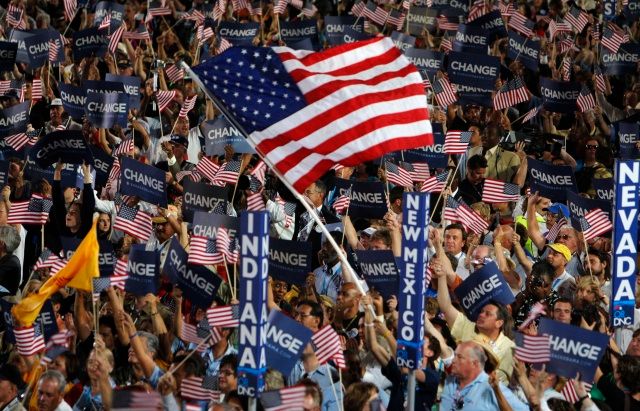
(562, 249)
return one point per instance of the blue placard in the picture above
(402, 41)
(143, 181)
(609, 9)
(623, 62)
(368, 199)
(198, 283)
(102, 163)
(202, 197)
(378, 267)
(70, 175)
(474, 95)
(131, 87)
(625, 242)
(473, 70)
(559, 96)
(527, 51)
(89, 42)
(106, 255)
(8, 53)
(289, 261)
(286, 339)
(492, 23)
(471, 39)
(219, 133)
(604, 188)
(432, 154)
(37, 46)
(426, 60)
(206, 224)
(4, 173)
(99, 86)
(551, 181)
(351, 35)
(627, 137)
(415, 232)
(66, 145)
(573, 349)
(579, 206)
(297, 31)
(142, 269)
(14, 120)
(176, 260)
(252, 364)
(73, 99)
(19, 37)
(45, 323)
(484, 285)
(104, 110)
(334, 28)
(421, 18)
(115, 10)
(239, 34)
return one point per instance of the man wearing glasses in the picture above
(467, 386)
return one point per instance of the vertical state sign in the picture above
(254, 240)
(415, 232)
(625, 240)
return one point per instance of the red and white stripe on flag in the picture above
(328, 346)
(27, 342)
(535, 349)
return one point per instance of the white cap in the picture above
(56, 102)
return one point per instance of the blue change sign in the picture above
(142, 269)
(289, 261)
(285, 340)
(252, 336)
(573, 349)
(143, 181)
(625, 242)
(378, 267)
(415, 232)
(486, 284)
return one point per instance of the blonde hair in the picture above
(590, 284)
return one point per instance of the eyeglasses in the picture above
(591, 147)
(563, 237)
(301, 315)
(226, 372)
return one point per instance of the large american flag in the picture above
(308, 111)
(134, 222)
(586, 101)
(435, 183)
(444, 91)
(595, 223)
(496, 191)
(327, 346)
(456, 141)
(398, 175)
(512, 93)
(533, 348)
(459, 212)
(227, 316)
(577, 18)
(33, 211)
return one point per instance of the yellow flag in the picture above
(78, 273)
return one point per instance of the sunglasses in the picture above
(591, 147)
(563, 237)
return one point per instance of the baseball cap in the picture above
(558, 208)
(10, 372)
(368, 231)
(56, 102)
(562, 249)
(175, 139)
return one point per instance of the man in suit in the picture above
(308, 229)
(501, 164)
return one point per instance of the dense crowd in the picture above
(116, 343)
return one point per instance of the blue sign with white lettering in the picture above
(254, 251)
(526, 50)
(104, 110)
(579, 206)
(368, 198)
(286, 339)
(89, 42)
(484, 285)
(289, 261)
(627, 137)
(473, 70)
(472, 39)
(378, 267)
(220, 133)
(551, 181)
(66, 145)
(604, 188)
(625, 242)
(142, 269)
(573, 349)
(73, 99)
(144, 181)
(415, 232)
(559, 96)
